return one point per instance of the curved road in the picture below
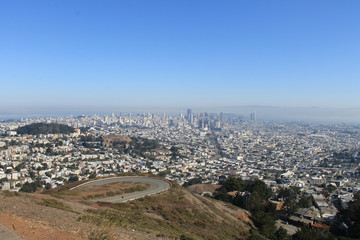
(7, 234)
(156, 186)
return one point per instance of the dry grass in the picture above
(174, 213)
(56, 204)
(106, 190)
(8, 193)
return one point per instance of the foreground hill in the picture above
(174, 214)
(45, 128)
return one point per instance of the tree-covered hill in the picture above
(45, 128)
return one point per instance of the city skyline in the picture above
(160, 55)
(262, 113)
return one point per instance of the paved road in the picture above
(7, 234)
(156, 186)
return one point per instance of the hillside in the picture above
(45, 128)
(174, 214)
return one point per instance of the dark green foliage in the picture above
(73, 178)
(164, 173)
(306, 233)
(45, 128)
(351, 216)
(32, 174)
(330, 188)
(260, 188)
(294, 199)
(3, 180)
(305, 202)
(174, 149)
(175, 152)
(140, 145)
(346, 238)
(255, 235)
(92, 175)
(281, 234)
(207, 195)
(30, 187)
(18, 167)
(233, 184)
(222, 196)
(254, 197)
(193, 181)
(264, 217)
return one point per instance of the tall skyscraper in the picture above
(253, 116)
(189, 115)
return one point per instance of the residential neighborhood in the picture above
(321, 160)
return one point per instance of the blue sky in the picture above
(140, 53)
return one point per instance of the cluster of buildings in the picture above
(201, 145)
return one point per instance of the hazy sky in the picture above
(140, 53)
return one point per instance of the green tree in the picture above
(193, 181)
(259, 187)
(30, 187)
(281, 234)
(233, 184)
(305, 202)
(92, 175)
(351, 216)
(32, 174)
(306, 233)
(164, 173)
(291, 196)
(73, 178)
(18, 167)
(330, 188)
(255, 235)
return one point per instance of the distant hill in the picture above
(45, 128)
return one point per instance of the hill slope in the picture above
(45, 128)
(175, 214)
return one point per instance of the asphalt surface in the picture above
(7, 234)
(156, 186)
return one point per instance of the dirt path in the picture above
(31, 230)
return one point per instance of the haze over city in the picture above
(287, 60)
